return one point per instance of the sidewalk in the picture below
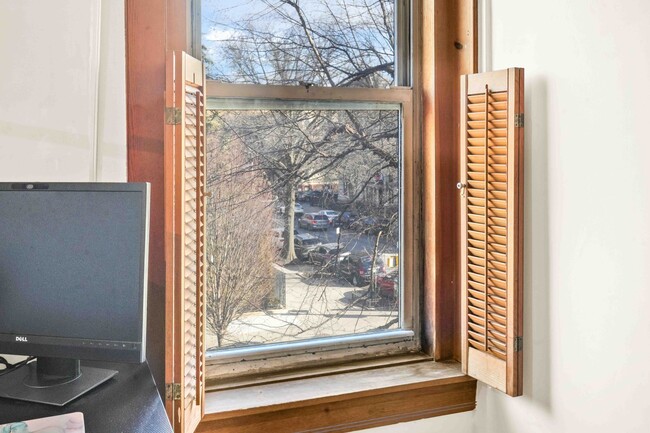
(316, 306)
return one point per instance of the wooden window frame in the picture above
(154, 27)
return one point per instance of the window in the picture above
(332, 401)
(307, 127)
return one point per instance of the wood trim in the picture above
(520, 104)
(145, 22)
(215, 89)
(313, 371)
(490, 369)
(413, 179)
(373, 398)
(463, 219)
(449, 50)
(178, 22)
(514, 384)
(170, 169)
(152, 27)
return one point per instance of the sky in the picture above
(221, 18)
(218, 16)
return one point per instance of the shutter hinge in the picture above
(173, 391)
(519, 344)
(519, 120)
(172, 116)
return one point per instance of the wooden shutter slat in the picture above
(491, 227)
(477, 327)
(477, 218)
(476, 311)
(477, 294)
(492, 115)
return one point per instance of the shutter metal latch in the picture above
(172, 116)
(173, 391)
(461, 186)
(519, 120)
(519, 344)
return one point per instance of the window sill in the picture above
(342, 402)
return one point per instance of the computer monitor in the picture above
(73, 279)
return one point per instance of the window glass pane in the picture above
(319, 42)
(303, 224)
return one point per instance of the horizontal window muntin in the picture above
(218, 90)
(298, 104)
(312, 346)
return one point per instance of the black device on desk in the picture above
(73, 278)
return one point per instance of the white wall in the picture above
(53, 71)
(587, 235)
(62, 98)
(587, 253)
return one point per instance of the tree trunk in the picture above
(288, 249)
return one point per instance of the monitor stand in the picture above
(53, 381)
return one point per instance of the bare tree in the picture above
(292, 147)
(334, 43)
(240, 245)
(338, 43)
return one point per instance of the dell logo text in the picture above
(22, 339)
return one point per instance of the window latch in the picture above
(461, 186)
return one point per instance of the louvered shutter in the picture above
(492, 227)
(185, 165)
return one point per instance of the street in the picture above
(318, 303)
(349, 240)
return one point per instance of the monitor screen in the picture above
(73, 270)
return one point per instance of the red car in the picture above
(388, 284)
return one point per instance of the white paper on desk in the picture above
(68, 423)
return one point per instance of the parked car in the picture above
(305, 197)
(314, 221)
(304, 243)
(298, 211)
(278, 237)
(356, 268)
(388, 284)
(346, 219)
(330, 214)
(314, 197)
(325, 255)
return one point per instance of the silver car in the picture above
(314, 221)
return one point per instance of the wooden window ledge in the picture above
(342, 402)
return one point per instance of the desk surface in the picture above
(127, 403)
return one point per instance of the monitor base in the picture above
(19, 385)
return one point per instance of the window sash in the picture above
(227, 96)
